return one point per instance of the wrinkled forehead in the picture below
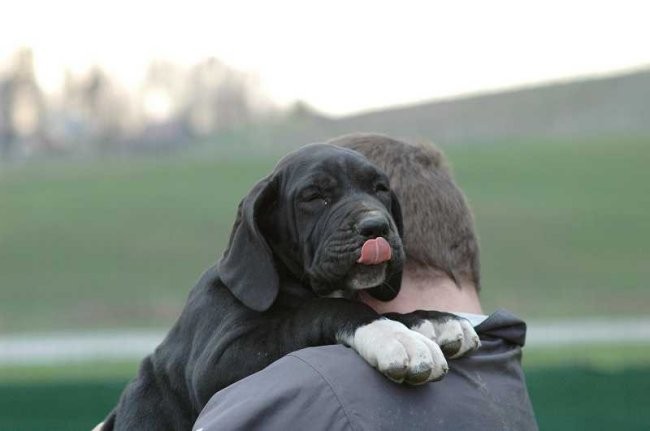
(326, 165)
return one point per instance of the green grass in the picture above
(564, 398)
(70, 372)
(112, 244)
(60, 406)
(586, 399)
(595, 357)
(563, 228)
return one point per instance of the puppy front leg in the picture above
(256, 339)
(260, 339)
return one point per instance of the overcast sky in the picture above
(339, 56)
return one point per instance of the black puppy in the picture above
(322, 226)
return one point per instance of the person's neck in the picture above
(433, 291)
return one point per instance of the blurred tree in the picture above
(217, 98)
(6, 129)
(97, 112)
(22, 108)
(162, 91)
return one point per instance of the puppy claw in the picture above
(451, 348)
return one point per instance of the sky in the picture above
(340, 57)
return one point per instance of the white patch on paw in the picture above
(398, 352)
(453, 330)
(427, 329)
(471, 340)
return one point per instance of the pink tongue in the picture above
(375, 251)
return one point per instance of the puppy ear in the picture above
(247, 267)
(390, 288)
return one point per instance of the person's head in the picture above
(439, 231)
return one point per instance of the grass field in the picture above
(564, 228)
(593, 357)
(564, 398)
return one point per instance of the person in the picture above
(332, 388)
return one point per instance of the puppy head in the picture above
(308, 221)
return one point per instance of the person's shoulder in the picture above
(323, 358)
(332, 387)
(291, 393)
(316, 368)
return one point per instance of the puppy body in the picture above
(296, 240)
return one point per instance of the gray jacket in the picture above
(332, 388)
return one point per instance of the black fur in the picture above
(295, 241)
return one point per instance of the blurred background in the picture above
(130, 131)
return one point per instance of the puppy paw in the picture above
(455, 335)
(399, 353)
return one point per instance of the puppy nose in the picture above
(373, 226)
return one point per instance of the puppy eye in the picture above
(312, 197)
(381, 187)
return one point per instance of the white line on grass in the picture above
(78, 347)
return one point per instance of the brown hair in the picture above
(438, 224)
